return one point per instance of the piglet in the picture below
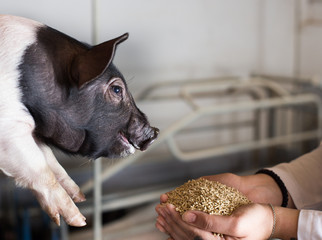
(57, 91)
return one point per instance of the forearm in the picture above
(286, 223)
(269, 189)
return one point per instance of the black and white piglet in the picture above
(57, 91)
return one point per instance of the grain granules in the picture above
(210, 197)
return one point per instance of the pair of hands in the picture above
(253, 221)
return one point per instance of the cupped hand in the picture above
(258, 188)
(252, 221)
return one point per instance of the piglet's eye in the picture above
(117, 90)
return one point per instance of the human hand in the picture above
(252, 221)
(258, 188)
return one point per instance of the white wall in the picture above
(72, 17)
(310, 38)
(180, 39)
(277, 29)
(183, 38)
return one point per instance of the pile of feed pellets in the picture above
(210, 197)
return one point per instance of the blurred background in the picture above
(234, 86)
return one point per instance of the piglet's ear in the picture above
(93, 62)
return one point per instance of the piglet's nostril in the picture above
(155, 133)
(151, 136)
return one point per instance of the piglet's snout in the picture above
(140, 132)
(150, 134)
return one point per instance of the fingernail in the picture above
(80, 223)
(77, 221)
(163, 198)
(189, 217)
(56, 219)
(171, 206)
(79, 197)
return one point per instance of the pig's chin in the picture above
(126, 147)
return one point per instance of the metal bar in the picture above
(244, 106)
(234, 148)
(238, 107)
(63, 230)
(94, 21)
(98, 163)
(97, 200)
(190, 89)
(133, 199)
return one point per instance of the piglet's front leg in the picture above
(25, 161)
(61, 175)
(56, 191)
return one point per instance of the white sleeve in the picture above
(310, 225)
(303, 179)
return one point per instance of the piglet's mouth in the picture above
(126, 141)
(143, 142)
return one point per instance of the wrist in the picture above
(277, 185)
(261, 188)
(274, 221)
(286, 223)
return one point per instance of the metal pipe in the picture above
(63, 230)
(237, 107)
(94, 24)
(240, 106)
(132, 199)
(97, 200)
(98, 163)
(189, 90)
(234, 148)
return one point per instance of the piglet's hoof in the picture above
(56, 202)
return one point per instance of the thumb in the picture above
(163, 198)
(211, 223)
